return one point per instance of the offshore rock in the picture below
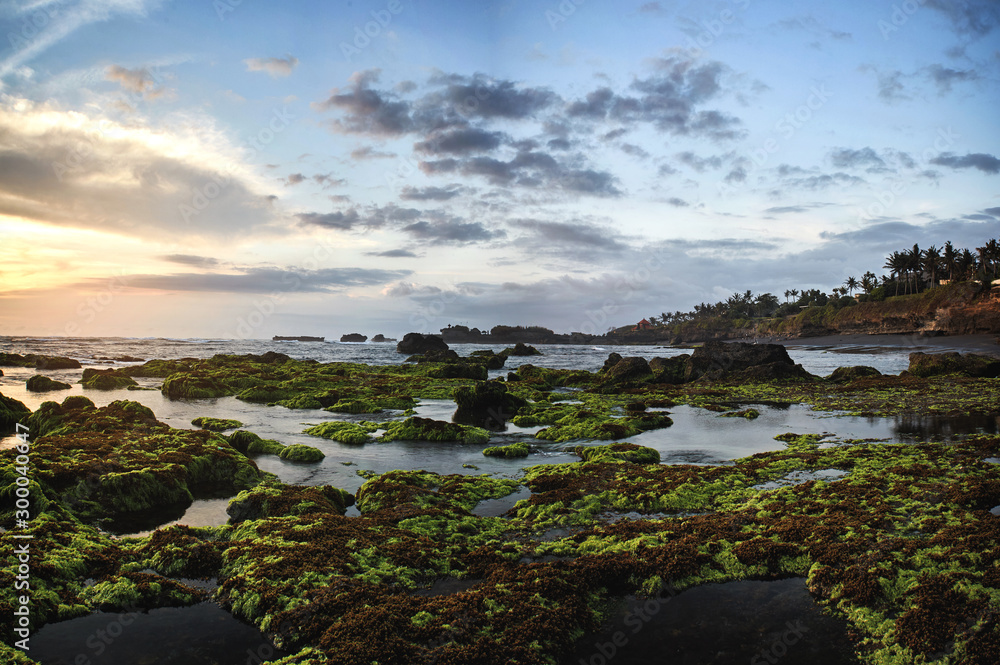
(416, 343)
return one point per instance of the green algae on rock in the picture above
(301, 453)
(117, 459)
(216, 424)
(344, 432)
(12, 411)
(41, 384)
(519, 449)
(106, 379)
(426, 429)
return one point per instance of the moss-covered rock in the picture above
(159, 369)
(102, 462)
(426, 429)
(519, 449)
(249, 443)
(350, 433)
(12, 411)
(962, 364)
(41, 384)
(301, 453)
(216, 424)
(619, 452)
(193, 385)
(106, 379)
(279, 500)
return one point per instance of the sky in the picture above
(240, 168)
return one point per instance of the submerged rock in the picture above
(487, 404)
(964, 364)
(519, 449)
(41, 384)
(416, 343)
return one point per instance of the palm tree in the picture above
(869, 282)
(851, 284)
(932, 263)
(950, 257)
(794, 293)
(913, 263)
(896, 264)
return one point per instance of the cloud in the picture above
(394, 254)
(368, 152)
(481, 96)
(825, 180)
(268, 280)
(274, 67)
(368, 111)
(191, 260)
(944, 77)
(667, 99)
(634, 150)
(563, 233)
(451, 232)
(410, 193)
(294, 179)
(139, 81)
(993, 212)
(849, 158)
(650, 8)
(699, 164)
(678, 202)
(372, 218)
(67, 168)
(460, 141)
(983, 162)
(340, 220)
(326, 180)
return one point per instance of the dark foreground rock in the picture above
(964, 364)
(627, 370)
(487, 404)
(847, 374)
(416, 343)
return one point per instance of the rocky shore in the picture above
(896, 541)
